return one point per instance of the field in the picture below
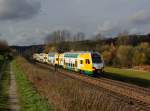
(129, 75)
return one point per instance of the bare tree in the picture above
(80, 36)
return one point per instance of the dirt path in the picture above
(13, 98)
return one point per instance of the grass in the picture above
(68, 94)
(29, 98)
(1, 60)
(130, 76)
(1, 57)
(4, 86)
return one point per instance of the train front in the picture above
(98, 62)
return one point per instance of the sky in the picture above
(27, 22)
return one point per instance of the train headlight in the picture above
(94, 68)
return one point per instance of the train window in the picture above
(56, 59)
(96, 58)
(81, 61)
(87, 61)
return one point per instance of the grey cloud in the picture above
(138, 23)
(29, 38)
(18, 9)
(108, 17)
(140, 18)
(110, 28)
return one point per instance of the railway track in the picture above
(132, 95)
(131, 87)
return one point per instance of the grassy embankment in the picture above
(4, 87)
(1, 60)
(30, 100)
(68, 94)
(130, 76)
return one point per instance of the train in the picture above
(85, 62)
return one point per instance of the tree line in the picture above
(122, 51)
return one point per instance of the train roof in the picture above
(72, 54)
(76, 54)
(80, 52)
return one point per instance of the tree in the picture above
(145, 48)
(58, 36)
(139, 58)
(107, 56)
(123, 38)
(80, 36)
(109, 53)
(3, 47)
(62, 47)
(125, 55)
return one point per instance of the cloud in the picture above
(110, 28)
(140, 18)
(138, 23)
(18, 9)
(27, 38)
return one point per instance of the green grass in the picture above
(1, 60)
(4, 86)
(130, 76)
(30, 100)
(1, 57)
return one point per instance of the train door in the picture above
(87, 64)
(81, 64)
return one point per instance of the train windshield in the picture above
(96, 58)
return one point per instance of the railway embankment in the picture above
(138, 96)
(69, 93)
(29, 98)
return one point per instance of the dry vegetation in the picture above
(143, 68)
(68, 94)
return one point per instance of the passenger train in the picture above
(88, 63)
